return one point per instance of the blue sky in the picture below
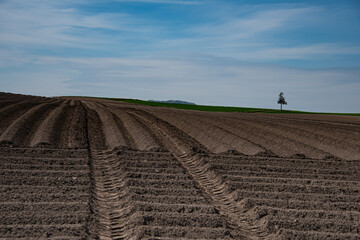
(215, 52)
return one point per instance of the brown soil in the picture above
(81, 168)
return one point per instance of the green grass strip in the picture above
(218, 108)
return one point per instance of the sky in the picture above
(211, 52)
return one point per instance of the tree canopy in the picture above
(281, 100)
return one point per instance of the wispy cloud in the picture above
(253, 36)
(232, 35)
(238, 27)
(43, 23)
(299, 52)
(162, 1)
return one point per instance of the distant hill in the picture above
(173, 101)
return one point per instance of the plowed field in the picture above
(83, 168)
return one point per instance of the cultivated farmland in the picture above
(85, 168)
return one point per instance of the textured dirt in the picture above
(82, 168)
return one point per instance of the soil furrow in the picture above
(179, 208)
(49, 208)
(344, 132)
(306, 234)
(291, 180)
(6, 103)
(74, 127)
(305, 204)
(271, 139)
(43, 172)
(12, 112)
(49, 218)
(323, 226)
(142, 138)
(289, 174)
(41, 167)
(153, 232)
(296, 160)
(42, 204)
(42, 231)
(95, 134)
(295, 188)
(295, 170)
(324, 143)
(43, 134)
(113, 136)
(21, 131)
(215, 145)
(213, 137)
(43, 153)
(219, 193)
(339, 132)
(313, 214)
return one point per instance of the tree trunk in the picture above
(281, 107)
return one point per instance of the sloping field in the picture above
(82, 168)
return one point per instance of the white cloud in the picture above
(162, 1)
(298, 52)
(47, 24)
(242, 37)
(242, 27)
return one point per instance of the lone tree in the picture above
(281, 100)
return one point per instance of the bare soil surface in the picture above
(84, 168)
